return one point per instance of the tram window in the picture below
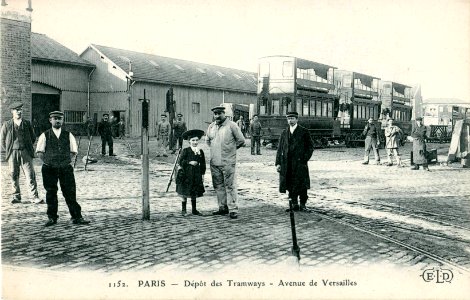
(371, 112)
(355, 111)
(330, 109)
(305, 108)
(298, 107)
(318, 109)
(363, 111)
(264, 69)
(275, 107)
(284, 106)
(287, 69)
(325, 109)
(312, 107)
(262, 110)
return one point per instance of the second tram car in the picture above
(332, 104)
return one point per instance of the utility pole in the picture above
(145, 159)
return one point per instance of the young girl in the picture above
(191, 169)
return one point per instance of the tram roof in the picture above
(399, 87)
(365, 79)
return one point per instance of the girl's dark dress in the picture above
(189, 179)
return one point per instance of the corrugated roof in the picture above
(154, 68)
(45, 48)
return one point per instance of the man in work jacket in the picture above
(372, 141)
(17, 139)
(224, 137)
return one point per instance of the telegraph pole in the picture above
(145, 159)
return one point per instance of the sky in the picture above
(425, 42)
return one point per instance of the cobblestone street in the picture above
(372, 197)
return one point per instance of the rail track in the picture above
(426, 253)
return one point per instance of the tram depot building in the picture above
(109, 80)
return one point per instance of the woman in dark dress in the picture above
(191, 169)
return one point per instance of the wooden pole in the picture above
(145, 160)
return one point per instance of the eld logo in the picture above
(437, 275)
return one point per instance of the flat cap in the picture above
(218, 108)
(56, 113)
(179, 115)
(187, 135)
(105, 114)
(163, 115)
(419, 119)
(293, 114)
(15, 105)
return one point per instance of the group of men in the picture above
(393, 139)
(56, 148)
(163, 133)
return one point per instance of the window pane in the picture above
(262, 110)
(355, 111)
(299, 107)
(330, 109)
(196, 108)
(312, 107)
(287, 69)
(318, 109)
(74, 116)
(325, 109)
(305, 110)
(275, 107)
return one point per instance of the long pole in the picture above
(145, 160)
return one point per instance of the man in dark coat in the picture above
(179, 127)
(17, 139)
(418, 133)
(372, 133)
(106, 133)
(294, 151)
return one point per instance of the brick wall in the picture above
(15, 62)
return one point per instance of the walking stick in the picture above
(88, 151)
(173, 171)
(78, 147)
(295, 247)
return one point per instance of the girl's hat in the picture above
(187, 135)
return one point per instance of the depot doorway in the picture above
(42, 105)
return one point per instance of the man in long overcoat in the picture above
(418, 133)
(294, 151)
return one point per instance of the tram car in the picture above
(396, 104)
(334, 105)
(292, 84)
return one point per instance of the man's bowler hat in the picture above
(56, 113)
(293, 114)
(218, 108)
(163, 115)
(187, 135)
(15, 105)
(419, 119)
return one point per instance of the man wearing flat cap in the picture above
(106, 133)
(224, 137)
(179, 127)
(17, 139)
(57, 149)
(163, 134)
(294, 151)
(372, 133)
